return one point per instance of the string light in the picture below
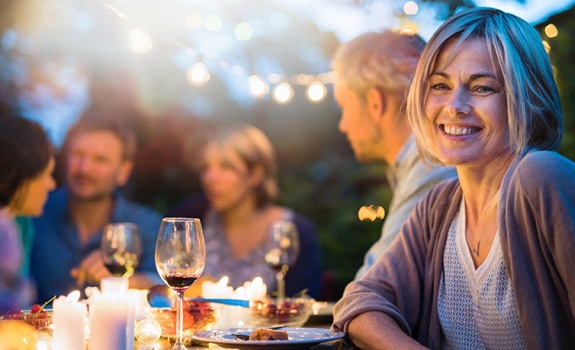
(258, 87)
(141, 42)
(198, 74)
(316, 91)
(283, 93)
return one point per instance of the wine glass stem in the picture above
(180, 322)
(280, 279)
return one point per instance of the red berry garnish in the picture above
(36, 309)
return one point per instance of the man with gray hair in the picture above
(373, 74)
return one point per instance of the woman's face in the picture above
(32, 196)
(226, 179)
(466, 107)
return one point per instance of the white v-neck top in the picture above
(476, 307)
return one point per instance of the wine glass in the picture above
(121, 248)
(180, 260)
(282, 252)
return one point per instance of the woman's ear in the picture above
(256, 176)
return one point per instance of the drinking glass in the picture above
(282, 252)
(121, 248)
(180, 259)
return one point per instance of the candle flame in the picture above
(73, 297)
(224, 281)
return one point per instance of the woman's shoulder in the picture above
(545, 166)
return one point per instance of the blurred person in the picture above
(238, 174)
(373, 74)
(485, 261)
(26, 166)
(98, 155)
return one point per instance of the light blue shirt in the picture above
(409, 180)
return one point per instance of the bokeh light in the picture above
(283, 93)
(316, 91)
(410, 8)
(198, 74)
(551, 30)
(243, 31)
(213, 23)
(139, 41)
(258, 87)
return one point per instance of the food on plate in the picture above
(38, 317)
(289, 311)
(268, 334)
(197, 316)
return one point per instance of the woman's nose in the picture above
(458, 103)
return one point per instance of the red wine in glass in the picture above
(116, 269)
(180, 259)
(180, 282)
(121, 248)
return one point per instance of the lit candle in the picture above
(112, 316)
(69, 322)
(217, 290)
(109, 324)
(114, 285)
(257, 289)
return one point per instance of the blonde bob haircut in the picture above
(534, 112)
(256, 151)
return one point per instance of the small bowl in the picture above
(198, 316)
(292, 312)
(40, 320)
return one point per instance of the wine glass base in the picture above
(179, 346)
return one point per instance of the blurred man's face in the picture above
(356, 123)
(95, 166)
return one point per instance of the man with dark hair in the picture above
(98, 158)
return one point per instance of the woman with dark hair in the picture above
(26, 166)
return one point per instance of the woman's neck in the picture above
(7, 212)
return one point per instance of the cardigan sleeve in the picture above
(537, 232)
(403, 283)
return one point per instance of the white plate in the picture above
(298, 338)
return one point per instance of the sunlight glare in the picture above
(139, 41)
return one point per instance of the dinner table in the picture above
(317, 323)
(321, 321)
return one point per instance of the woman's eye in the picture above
(439, 86)
(484, 89)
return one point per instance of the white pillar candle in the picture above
(69, 322)
(239, 315)
(257, 289)
(114, 285)
(108, 325)
(112, 316)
